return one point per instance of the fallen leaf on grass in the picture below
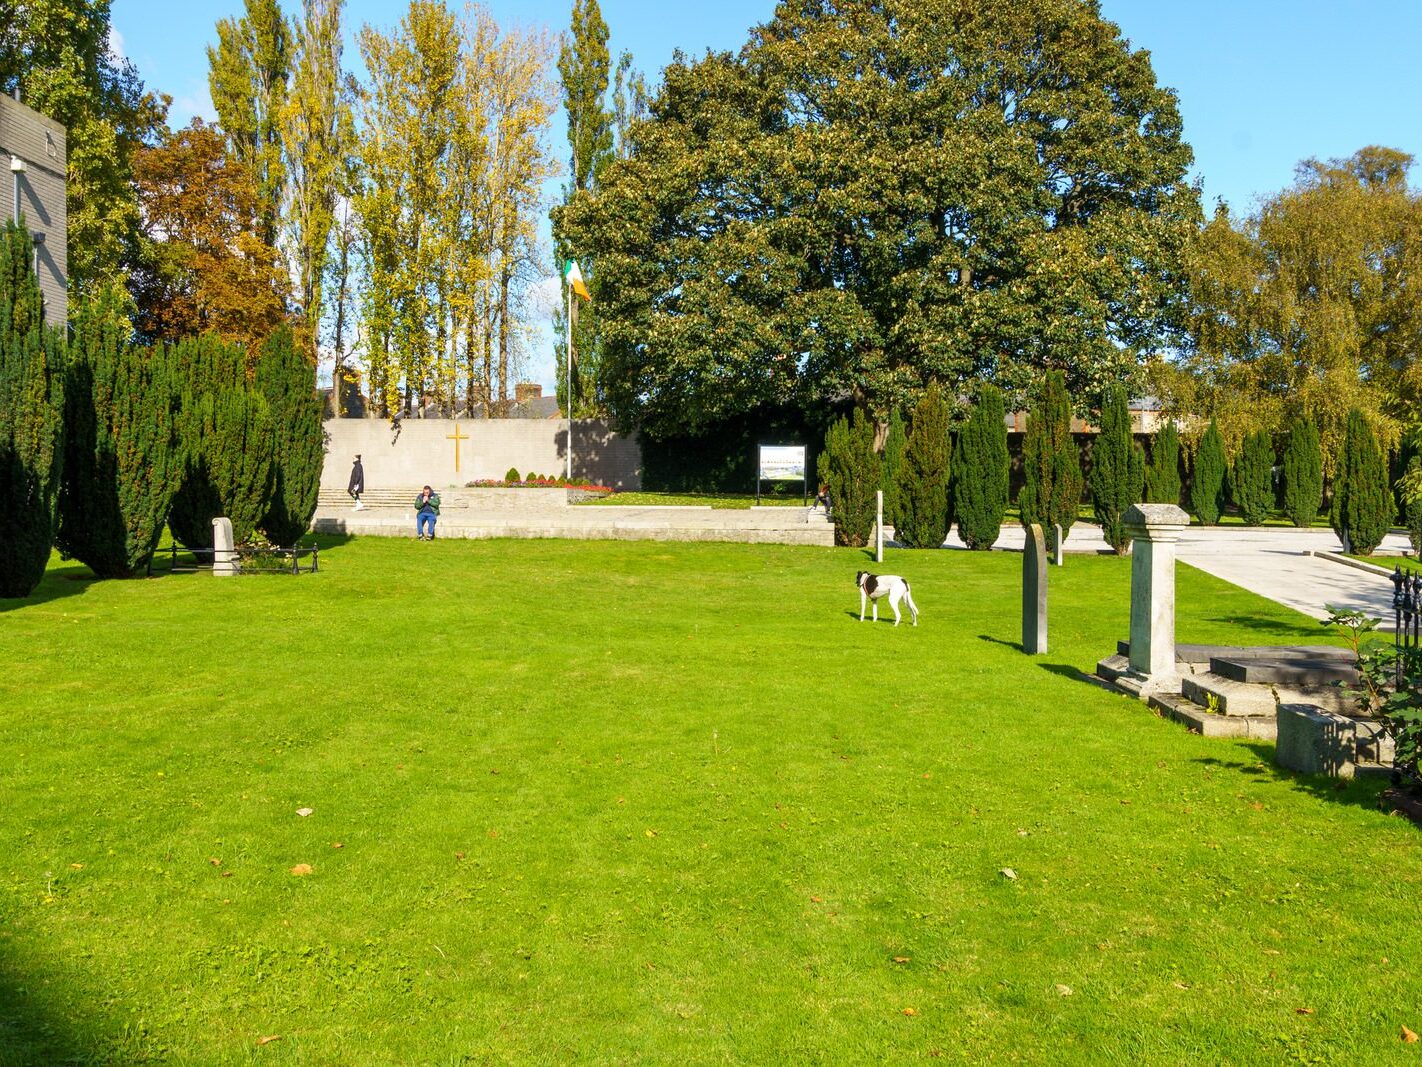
(1063, 990)
(1179, 985)
(214, 861)
(459, 855)
(1008, 873)
(910, 1011)
(817, 900)
(268, 1040)
(1409, 1036)
(302, 869)
(651, 833)
(1271, 952)
(76, 866)
(337, 844)
(303, 812)
(902, 959)
(1303, 1011)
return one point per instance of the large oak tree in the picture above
(874, 195)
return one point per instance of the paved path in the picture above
(1270, 561)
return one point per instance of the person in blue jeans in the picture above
(426, 512)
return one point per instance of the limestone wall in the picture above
(423, 452)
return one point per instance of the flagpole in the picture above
(570, 379)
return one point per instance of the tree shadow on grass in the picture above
(1016, 646)
(59, 582)
(1355, 792)
(31, 1031)
(1276, 628)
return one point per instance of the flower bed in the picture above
(539, 483)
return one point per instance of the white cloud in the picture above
(116, 43)
(545, 298)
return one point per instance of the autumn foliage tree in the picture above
(205, 267)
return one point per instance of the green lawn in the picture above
(671, 803)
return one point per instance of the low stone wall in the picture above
(449, 453)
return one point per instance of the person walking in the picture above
(356, 485)
(426, 512)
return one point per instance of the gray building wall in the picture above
(423, 452)
(40, 143)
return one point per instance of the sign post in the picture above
(781, 463)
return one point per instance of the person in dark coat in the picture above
(356, 486)
(426, 513)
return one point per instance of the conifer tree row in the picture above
(1303, 473)
(1362, 508)
(288, 382)
(1208, 479)
(922, 508)
(851, 468)
(1252, 479)
(31, 419)
(1117, 469)
(894, 444)
(980, 471)
(1051, 462)
(1162, 480)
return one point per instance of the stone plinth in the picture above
(1154, 530)
(1034, 592)
(224, 550)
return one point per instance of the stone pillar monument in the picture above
(1154, 530)
(1034, 592)
(224, 551)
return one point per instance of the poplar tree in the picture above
(1362, 509)
(1051, 491)
(1303, 473)
(287, 380)
(584, 68)
(923, 480)
(248, 74)
(1252, 479)
(1162, 479)
(31, 419)
(980, 471)
(123, 462)
(895, 442)
(1117, 477)
(1207, 482)
(851, 468)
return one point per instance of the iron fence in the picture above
(246, 559)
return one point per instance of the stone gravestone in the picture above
(1034, 592)
(224, 551)
(1154, 530)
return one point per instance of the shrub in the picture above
(1252, 480)
(31, 419)
(923, 480)
(980, 472)
(288, 384)
(1117, 469)
(1412, 506)
(1207, 480)
(1303, 474)
(511, 475)
(1362, 500)
(894, 445)
(850, 467)
(1162, 479)
(123, 459)
(1051, 492)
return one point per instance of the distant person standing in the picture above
(426, 512)
(356, 485)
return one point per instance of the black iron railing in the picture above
(1407, 618)
(247, 559)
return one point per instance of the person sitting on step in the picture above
(426, 512)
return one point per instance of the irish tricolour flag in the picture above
(573, 275)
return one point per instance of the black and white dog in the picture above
(874, 586)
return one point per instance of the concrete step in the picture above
(1228, 697)
(1202, 721)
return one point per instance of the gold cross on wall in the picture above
(456, 437)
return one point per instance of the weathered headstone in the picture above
(224, 550)
(1034, 592)
(1154, 530)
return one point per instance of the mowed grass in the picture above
(619, 802)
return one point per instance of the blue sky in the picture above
(1262, 83)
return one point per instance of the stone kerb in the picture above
(1154, 530)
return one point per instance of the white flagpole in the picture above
(570, 378)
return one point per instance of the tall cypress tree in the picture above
(1117, 478)
(980, 471)
(1051, 492)
(1362, 499)
(31, 419)
(1252, 480)
(850, 467)
(923, 480)
(1207, 481)
(1412, 507)
(226, 430)
(894, 444)
(123, 459)
(288, 382)
(1162, 480)
(1303, 474)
